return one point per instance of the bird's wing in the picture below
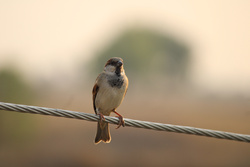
(94, 93)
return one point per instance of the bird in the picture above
(108, 93)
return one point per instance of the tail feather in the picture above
(103, 133)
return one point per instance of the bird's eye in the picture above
(112, 63)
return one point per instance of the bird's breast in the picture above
(109, 98)
(116, 82)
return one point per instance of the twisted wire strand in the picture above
(128, 122)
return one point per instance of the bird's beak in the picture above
(119, 63)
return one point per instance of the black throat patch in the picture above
(118, 71)
(116, 82)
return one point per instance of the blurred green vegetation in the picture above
(14, 89)
(146, 54)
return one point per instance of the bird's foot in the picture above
(102, 118)
(121, 120)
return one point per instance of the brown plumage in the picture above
(108, 93)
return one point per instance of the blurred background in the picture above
(188, 63)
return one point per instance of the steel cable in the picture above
(128, 122)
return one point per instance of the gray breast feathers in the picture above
(116, 82)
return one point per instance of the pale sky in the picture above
(43, 38)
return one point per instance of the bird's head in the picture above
(114, 66)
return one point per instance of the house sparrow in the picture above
(108, 92)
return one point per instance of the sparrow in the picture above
(108, 92)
